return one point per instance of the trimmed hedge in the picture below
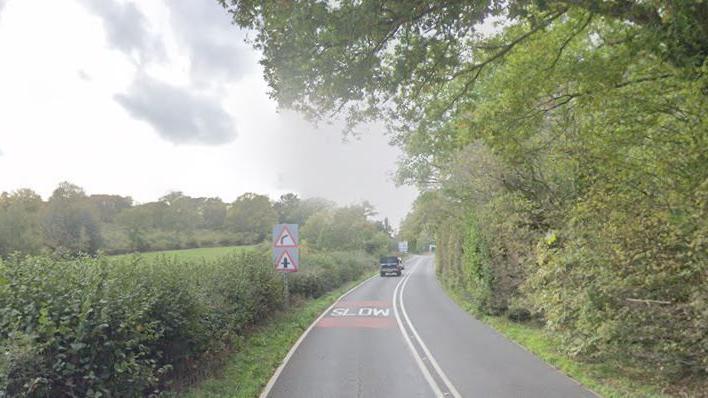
(107, 327)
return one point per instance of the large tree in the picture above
(69, 223)
(19, 222)
(564, 149)
(373, 58)
(252, 216)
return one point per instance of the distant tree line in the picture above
(72, 222)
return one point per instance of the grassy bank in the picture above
(258, 355)
(610, 380)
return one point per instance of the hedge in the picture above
(126, 327)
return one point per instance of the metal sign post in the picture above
(286, 291)
(286, 253)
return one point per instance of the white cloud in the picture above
(178, 115)
(126, 29)
(216, 47)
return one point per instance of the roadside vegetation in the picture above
(561, 155)
(202, 253)
(609, 378)
(72, 221)
(77, 324)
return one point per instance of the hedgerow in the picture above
(106, 327)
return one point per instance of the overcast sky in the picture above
(141, 98)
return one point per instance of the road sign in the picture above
(286, 254)
(403, 246)
(286, 259)
(285, 235)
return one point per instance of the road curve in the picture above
(403, 337)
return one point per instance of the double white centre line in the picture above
(408, 330)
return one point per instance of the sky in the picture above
(141, 98)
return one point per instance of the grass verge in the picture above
(607, 379)
(258, 355)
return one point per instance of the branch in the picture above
(568, 40)
(478, 67)
(643, 79)
(648, 301)
(509, 46)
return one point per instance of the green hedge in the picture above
(609, 285)
(323, 272)
(97, 327)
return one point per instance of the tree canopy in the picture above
(374, 58)
(560, 147)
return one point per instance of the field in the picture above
(202, 253)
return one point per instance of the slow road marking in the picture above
(359, 314)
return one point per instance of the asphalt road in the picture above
(403, 337)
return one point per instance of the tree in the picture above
(181, 214)
(252, 216)
(108, 206)
(68, 223)
(374, 58)
(213, 213)
(19, 222)
(137, 221)
(346, 228)
(288, 209)
(562, 157)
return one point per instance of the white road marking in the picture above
(280, 368)
(451, 388)
(418, 360)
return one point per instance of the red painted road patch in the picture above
(359, 314)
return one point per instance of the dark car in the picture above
(390, 265)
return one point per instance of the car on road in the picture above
(390, 265)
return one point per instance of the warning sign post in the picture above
(286, 253)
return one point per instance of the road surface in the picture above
(403, 337)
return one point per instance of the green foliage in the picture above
(20, 222)
(252, 217)
(71, 222)
(68, 224)
(346, 228)
(198, 254)
(562, 158)
(126, 326)
(416, 62)
(322, 272)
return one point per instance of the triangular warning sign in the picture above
(285, 239)
(285, 262)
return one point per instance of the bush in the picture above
(322, 272)
(125, 327)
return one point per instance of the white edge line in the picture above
(280, 368)
(426, 373)
(443, 376)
